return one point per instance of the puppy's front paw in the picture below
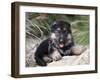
(47, 59)
(56, 56)
(78, 49)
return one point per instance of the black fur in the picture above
(60, 40)
(41, 51)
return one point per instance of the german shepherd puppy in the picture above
(59, 44)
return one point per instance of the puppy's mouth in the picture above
(61, 45)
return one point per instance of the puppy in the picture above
(60, 43)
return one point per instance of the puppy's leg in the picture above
(56, 56)
(67, 52)
(47, 59)
(40, 61)
(77, 50)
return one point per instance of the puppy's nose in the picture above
(61, 40)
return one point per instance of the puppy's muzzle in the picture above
(61, 42)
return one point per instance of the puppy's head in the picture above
(61, 32)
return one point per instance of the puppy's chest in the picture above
(63, 51)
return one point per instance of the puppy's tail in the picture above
(40, 61)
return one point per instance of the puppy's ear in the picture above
(68, 25)
(54, 23)
(53, 26)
